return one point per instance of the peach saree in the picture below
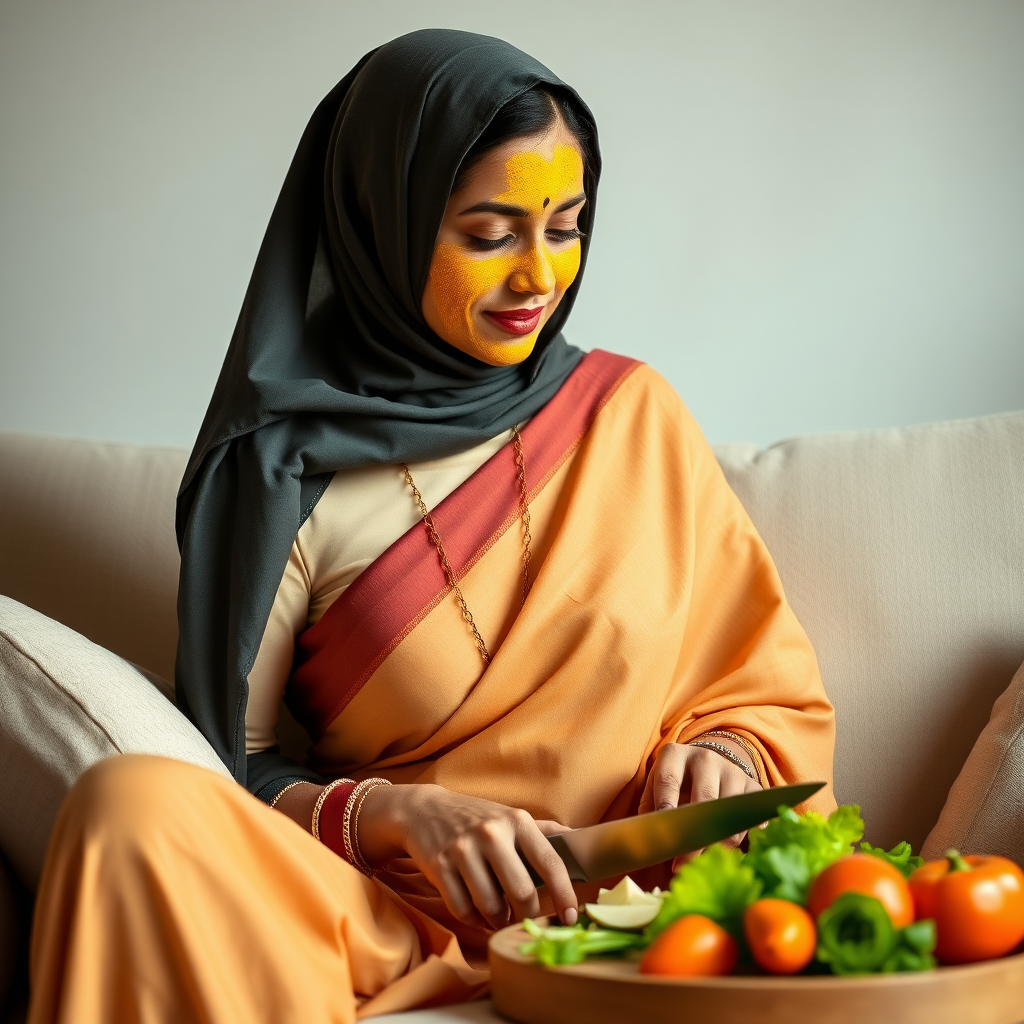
(655, 613)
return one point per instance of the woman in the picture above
(503, 584)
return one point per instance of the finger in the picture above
(733, 781)
(668, 772)
(483, 887)
(541, 854)
(448, 882)
(552, 828)
(705, 770)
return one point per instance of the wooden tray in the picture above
(600, 992)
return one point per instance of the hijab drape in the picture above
(331, 364)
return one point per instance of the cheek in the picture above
(566, 265)
(456, 282)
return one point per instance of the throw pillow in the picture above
(66, 703)
(984, 812)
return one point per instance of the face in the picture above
(508, 247)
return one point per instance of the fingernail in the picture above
(570, 916)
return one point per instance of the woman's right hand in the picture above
(468, 849)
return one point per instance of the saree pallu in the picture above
(654, 614)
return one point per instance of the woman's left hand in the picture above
(683, 774)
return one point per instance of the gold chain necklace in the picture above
(446, 565)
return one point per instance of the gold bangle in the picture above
(324, 794)
(350, 824)
(281, 792)
(754, 759)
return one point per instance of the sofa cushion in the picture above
(87, 537)
(66, 703)
(901, 553)
(984, 812)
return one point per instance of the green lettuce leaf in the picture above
(571, 945)
(717, 884)
(900, 857)
(791, 849)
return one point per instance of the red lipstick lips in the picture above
(516, 321)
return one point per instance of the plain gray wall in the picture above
(812, 216)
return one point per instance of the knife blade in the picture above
(628, 844)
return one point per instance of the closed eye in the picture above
(490, 244)
(559, 235)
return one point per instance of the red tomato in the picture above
(977, 904)
(693, 946)
(780, 934)
(868, 875)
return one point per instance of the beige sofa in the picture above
(902, 552)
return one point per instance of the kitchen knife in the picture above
(618, 847)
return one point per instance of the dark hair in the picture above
(530, 112)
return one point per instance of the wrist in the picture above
(732, 748)
(381, 829)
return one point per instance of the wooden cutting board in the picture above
(606, 991)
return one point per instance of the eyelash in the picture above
(494, 244)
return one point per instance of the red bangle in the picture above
(331, 819)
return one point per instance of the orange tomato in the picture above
(693, 946)
(868, 875)
(977, 904)
(780, 934)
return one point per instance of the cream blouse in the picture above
(360, 515)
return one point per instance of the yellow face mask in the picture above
(464, 284)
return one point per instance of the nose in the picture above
(534, 274)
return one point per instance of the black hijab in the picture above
(331, 364)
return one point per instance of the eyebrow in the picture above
(502, 209)
(506, 210)
(570, 203)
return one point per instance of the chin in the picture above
(506, 352)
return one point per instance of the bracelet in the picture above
(350, 824)
(318, 807)
(729, 755)
(281, 792)
(755, 760)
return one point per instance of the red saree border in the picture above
(388, 599)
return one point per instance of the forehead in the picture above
(548, 162)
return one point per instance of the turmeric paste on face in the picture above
(463, 282)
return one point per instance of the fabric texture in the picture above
(984, 812)
(901, 553)
(361, 514)
(66, 703)
(171, 894)
(331, 364)
(654, 614)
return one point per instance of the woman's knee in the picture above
(131, 792)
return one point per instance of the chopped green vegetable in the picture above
(900, 857)
(855, 935)
(717, 884)
(791, 849)
(565, 945)
(914, 949)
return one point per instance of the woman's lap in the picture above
(169, 893)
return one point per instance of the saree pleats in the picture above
(172, 895)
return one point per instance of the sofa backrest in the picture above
(87, 537)
(902, 552)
